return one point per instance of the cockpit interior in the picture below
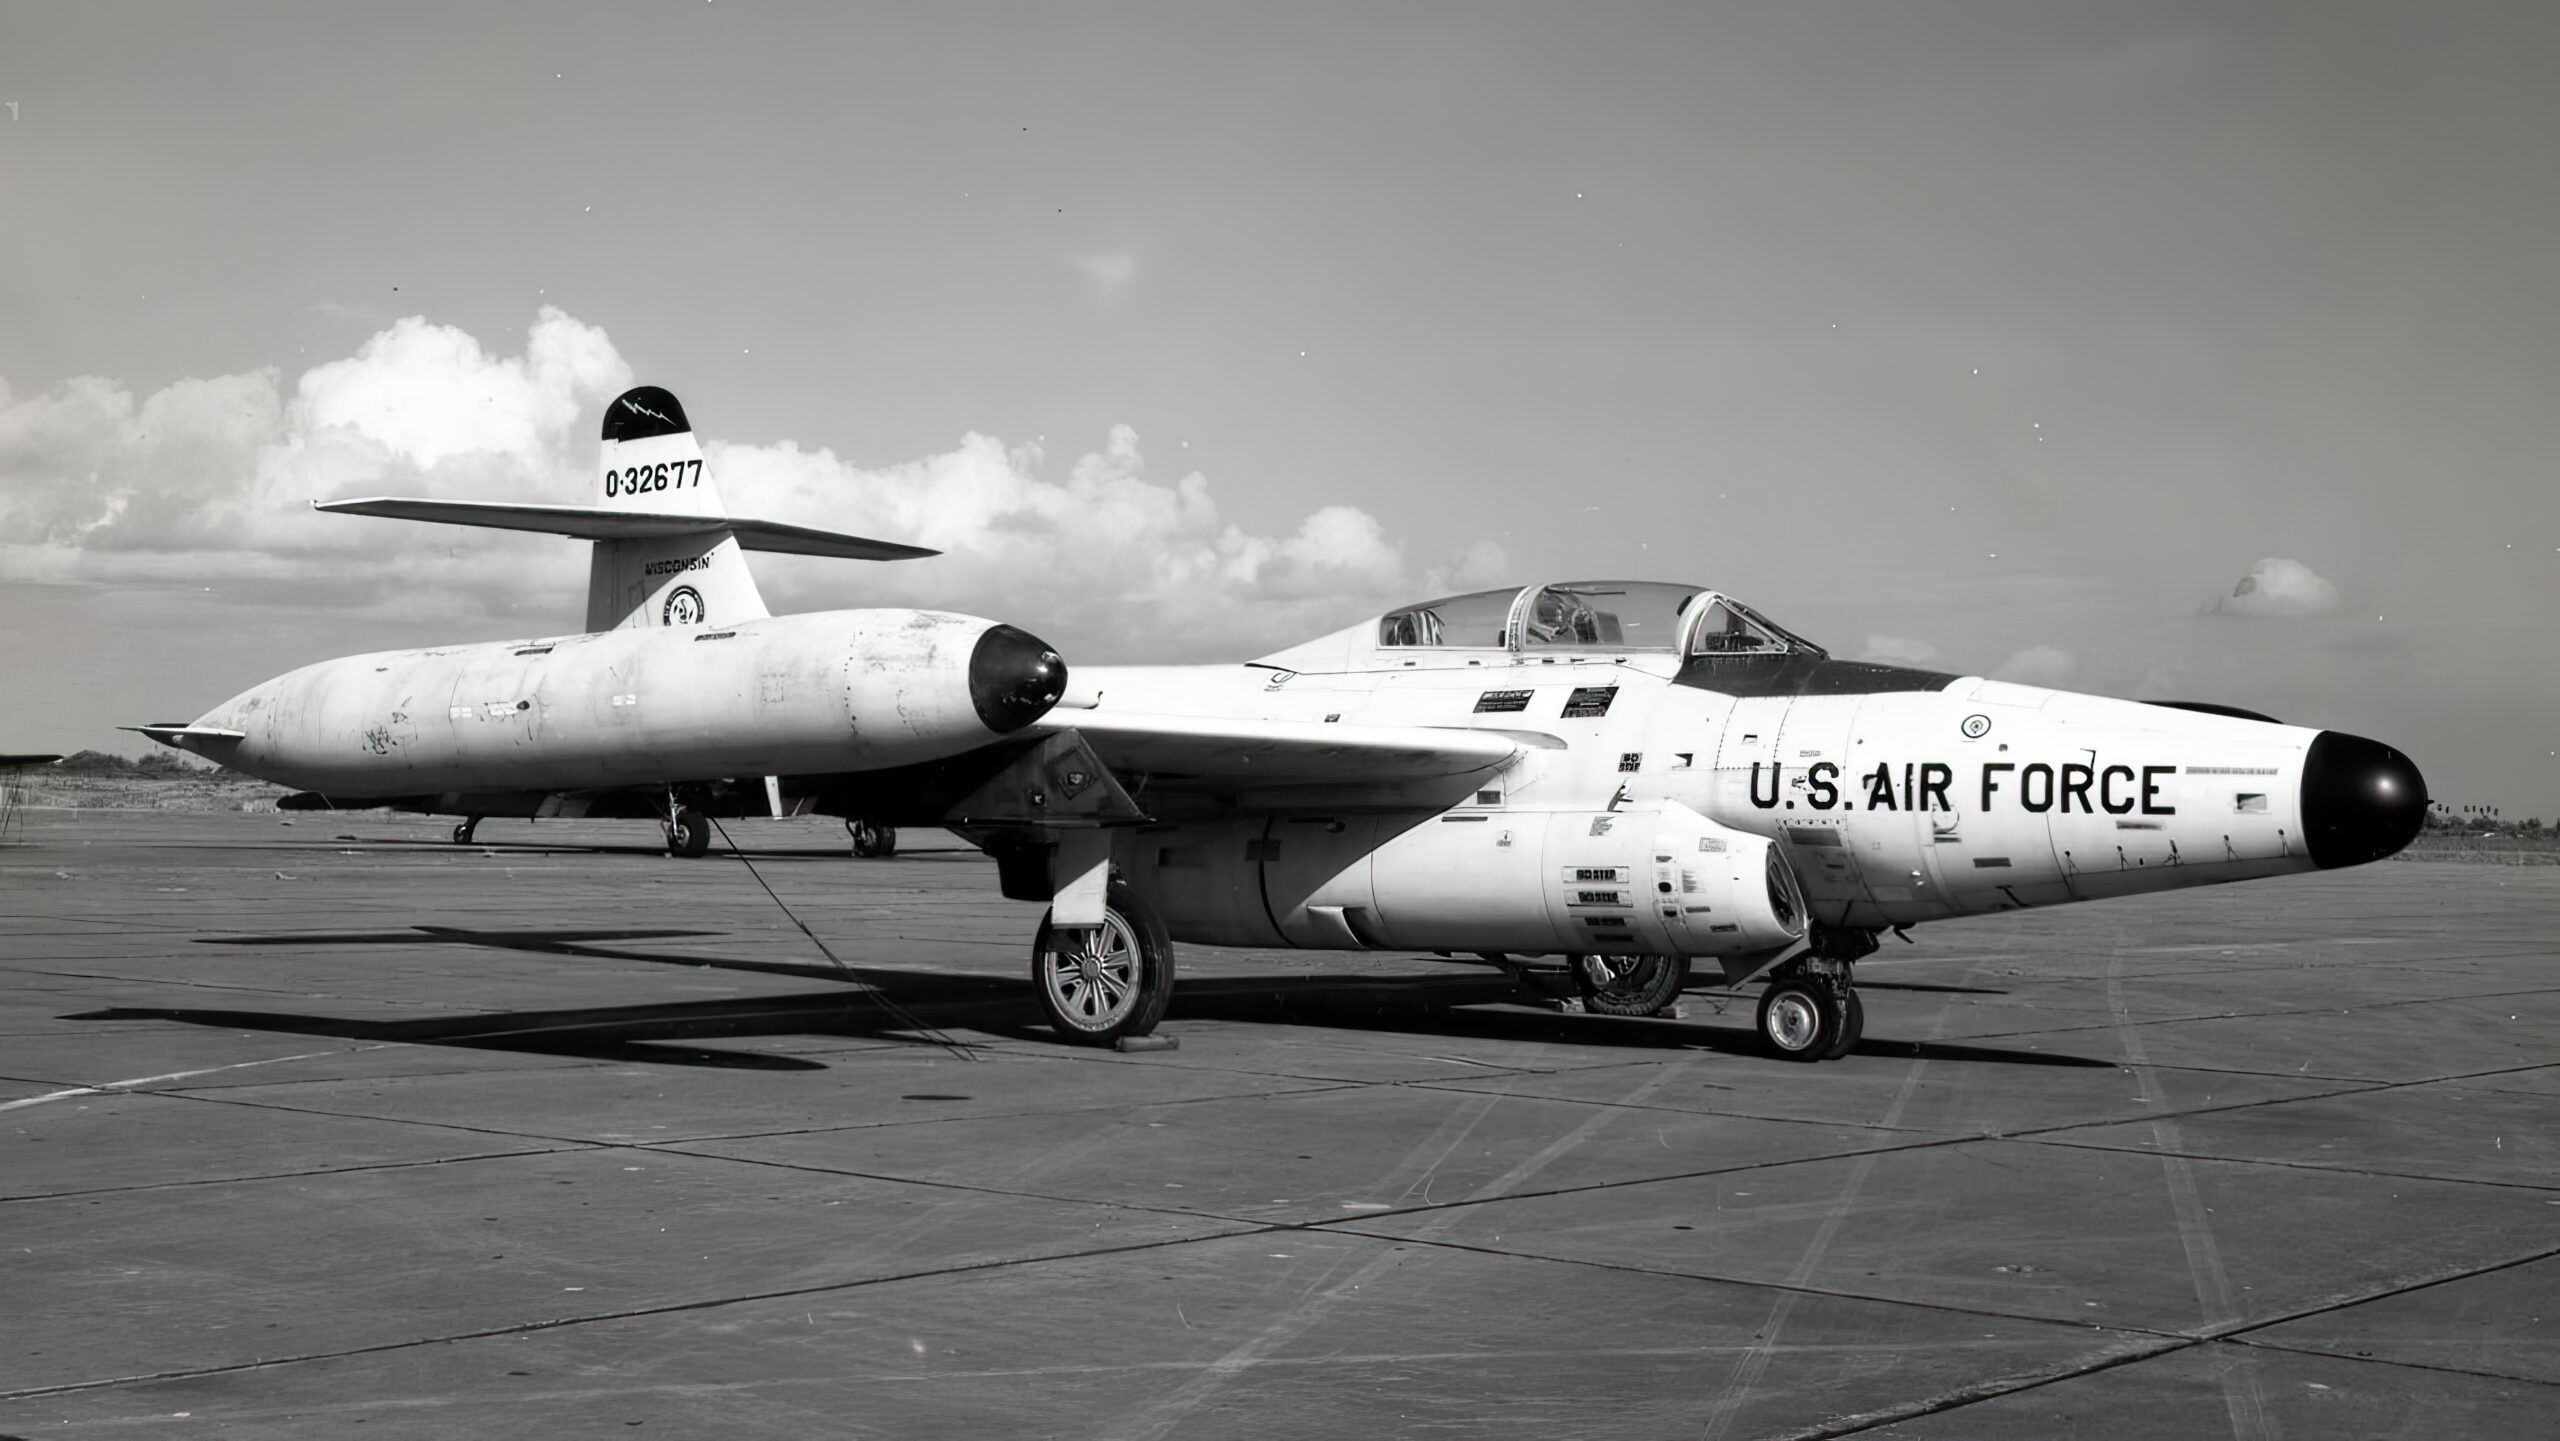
(1593, 616)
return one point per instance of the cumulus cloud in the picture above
(1899, 650)
(2276, 587)
(1108, 272)
(207, 483)
(2038, 665)
(1106, 547)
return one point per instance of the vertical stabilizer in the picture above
(651, 466)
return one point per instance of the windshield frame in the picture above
(1692, 634)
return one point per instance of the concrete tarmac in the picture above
(334, 1124)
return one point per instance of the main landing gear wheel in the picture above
(871, 840)
(1798, 1019)
(463, 832)
(1096, 986)
(1852, 1026)
(1630, 985)
(689, 834)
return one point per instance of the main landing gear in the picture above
(1630, 985)
(688, 833)
(1097, 985)
(871, 840)
(1811, 1011)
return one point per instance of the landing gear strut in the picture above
(1812, 1012)
(463, 832)
(871, 839)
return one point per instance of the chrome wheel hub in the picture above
(1793, 1021)
(1092, 979)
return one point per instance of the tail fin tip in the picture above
(644, 411)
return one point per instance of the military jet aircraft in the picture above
(1610, 780)
(683, 699)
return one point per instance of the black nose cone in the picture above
(2361, 800)
(1014, 678)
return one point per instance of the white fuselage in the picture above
(1893, 807)
(783, 695)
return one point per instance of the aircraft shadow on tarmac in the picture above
(873, 1003)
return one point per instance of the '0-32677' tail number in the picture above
(644, 479)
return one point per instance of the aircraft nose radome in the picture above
(2361, 800)
(1014, 677)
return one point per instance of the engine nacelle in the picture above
(1658, 881)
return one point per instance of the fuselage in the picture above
(782, 695)
(1896, 796)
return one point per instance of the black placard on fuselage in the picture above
(1495, 701)
(1589, 701)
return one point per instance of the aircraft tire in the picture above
(689, 835)
(872, 841)
(1630, 985)
(1798, 1020)
(462, 833)
(1853, 1024)
(1118, 986)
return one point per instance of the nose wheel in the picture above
(1811, 1015)
(872, 840)
(462, 833)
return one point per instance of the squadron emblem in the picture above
(684, 607)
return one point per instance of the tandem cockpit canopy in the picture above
(1592, 616)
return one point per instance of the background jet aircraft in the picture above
(682, 683)
(1614, 779)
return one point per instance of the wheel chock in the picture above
(1139, 1045)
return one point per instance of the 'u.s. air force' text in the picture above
(1930, 785)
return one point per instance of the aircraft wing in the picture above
(587, 522)
(1253, 754)
(169, 733)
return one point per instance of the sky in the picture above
(2003, 339)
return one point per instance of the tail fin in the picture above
(666, 552)
(650, 463)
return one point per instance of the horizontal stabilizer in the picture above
(585, 522)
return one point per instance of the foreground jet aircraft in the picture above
(682, 685)
(1613, 779)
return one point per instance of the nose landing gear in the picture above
(1811, 1012)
